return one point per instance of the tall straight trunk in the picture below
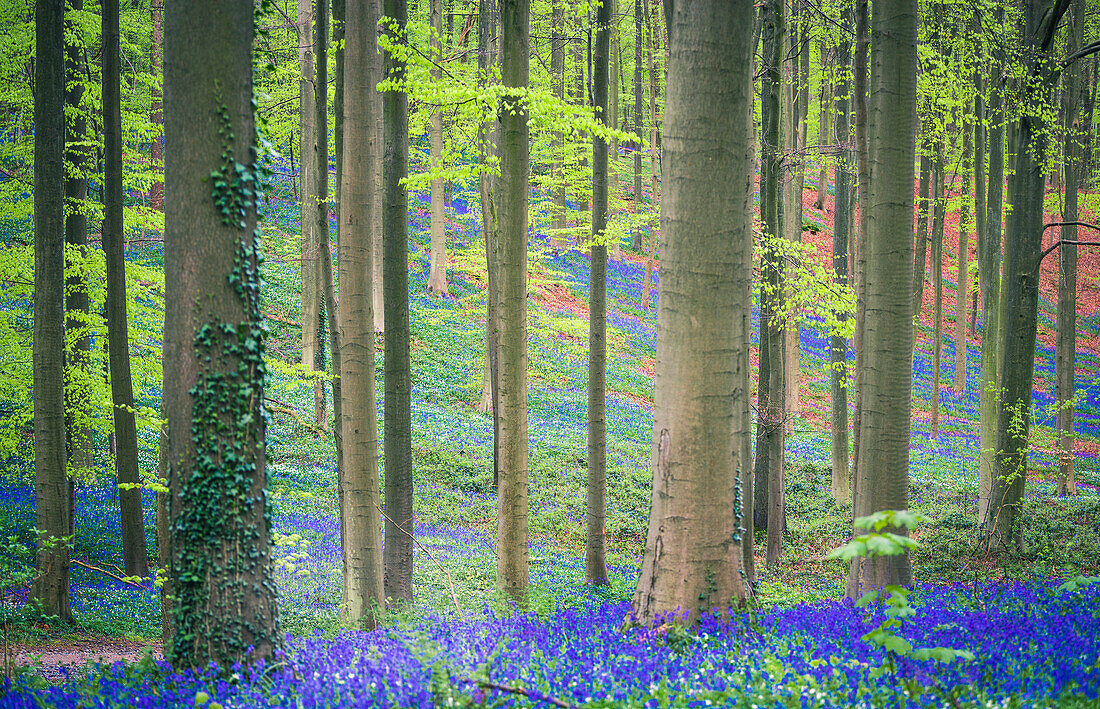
(222, 572)
(311, 285)
(888, 251)
(693, 556)
(595, 550)
(580, 93)
(1065, 355)
(321, 191)
(397, 446)
(989, 272)
(512, 556)
(79, 159)
(962, 297)
(360, 495)
(512, 552)
(164, 541)
(855, 250)
(920, 258)
(768, 467)
(743, 409)
(156, 109)
(50, 587)
(651, 54)
(826, 98)
(118, 347)
(613, 119)
(980, 198)
(939, 207)
(793, 180)
(487, 140)
(437, 275)
(639, 121)
(843, 202)
(557, 78)
(1020, 287)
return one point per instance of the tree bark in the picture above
(397, 441)
(793, 179)
(156, 108)
(360, 494)
(311, 288)
(886, 385)
(855, 246)
(639, 116)
(962, 283)
(437, 274)
(990, 275)
(823, 137)
(512, 552)
(651, 37)
(939, 207)
(1020, 293)
(134, 551)
(51, 489)
(488, 137)
(1065, 357)
(222, 577)
(768, 489)
(920, 258)
(693, 558)
(595, 550)
(557, 72)
(843, 202)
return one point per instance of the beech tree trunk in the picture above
(487, 139)
(826, 97)
(360, 494)
(962, 284)
(1065, 356)
(939, 207)
(311, 285)
(639, 116)
(221, 572)
(51, 488)
(768, 489)
(134, 551)
(843, 201)
(437, 274)
(156, 109)
(557, 72)
(651, 38)
(693, 558)
(886, 384)
(595, 550)
(512, 552)
(1020, 294)
(920, 258)
(397, 445)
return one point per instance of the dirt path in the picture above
(73, 652)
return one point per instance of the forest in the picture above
(549, 353)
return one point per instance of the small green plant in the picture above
(895, 599)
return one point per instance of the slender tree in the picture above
(360, 494)
(768, 466)
(311, 286)
(221, 572)
(557, 78)
(595, 550)
(962, 282)
(397, 442)
(939, 217)
(51, 489)
(122, 395)
(920, 257)
(888, 338)
(639, 116)
(693, 555)
(512, 552)
(1065, 355)
(1020, 284)
(156, 108)
(842, 218)
(488, 137)
(437, 275)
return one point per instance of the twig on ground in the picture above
(520, 691)
(106, 573)
(450, 583)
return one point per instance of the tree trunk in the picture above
(122, 395)
(595, 551)
(51, 488)
(79, 162)
(793, 179)
(512, 552)
(843, 202)
(222, 576)
(360, 494)
(613, 119)
(1020, 292)
(823, 128)
(980, 200)
(693, 558)
(397, 440)
(990, 275)
(311, 288)
(487, 140)
(1065, 357)
(768, 466)
(886, 385)
(437, 275)
(636, 241)
(164, 542)
(939, 207)
(156, 110)
(651, 37)
(557, 72)
(962, 283)
(920, 258)
(855, 246)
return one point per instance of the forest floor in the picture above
(452, 456)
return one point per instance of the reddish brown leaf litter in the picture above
(52, 658)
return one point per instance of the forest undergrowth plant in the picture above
(894, 601)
